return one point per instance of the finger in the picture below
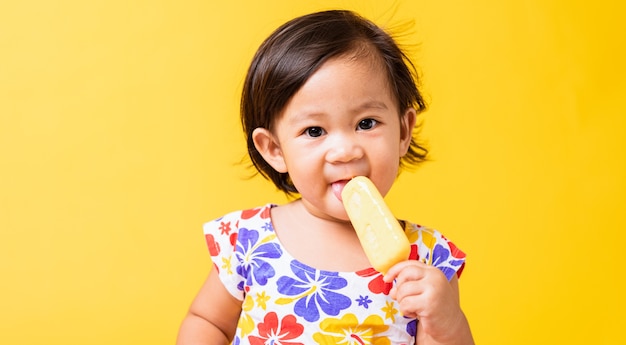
(393, 292)
(409, 301)
(405, 288)
(409, 288)
(395, 271)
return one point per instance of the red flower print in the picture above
(414, 255)
(233, 238)
(225, 228)
(272, 331)
(455, 251)
(457, 254)
(247, 214)
(214, 247)
(377, 285)
(266, 213)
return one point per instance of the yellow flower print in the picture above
(248, 303)
(428, 238)
(245, 325)
(261, 299)
(429, 241)
(411, 232)
(390, 311)
(350, 331)
(226, 265)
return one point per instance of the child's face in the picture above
(343, 122)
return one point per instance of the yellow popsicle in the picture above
(380, 234)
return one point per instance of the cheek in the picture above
(389, 151)
(295, 159)
(385, 168)
(301, 167)
(387, 180)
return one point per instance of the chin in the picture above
(339, 213)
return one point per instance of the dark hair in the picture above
(296, 50)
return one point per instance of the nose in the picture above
(344, 149)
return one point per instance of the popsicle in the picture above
(379, 232)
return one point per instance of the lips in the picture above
(337, 187)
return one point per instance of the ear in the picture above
(269, 148)
(407, 123)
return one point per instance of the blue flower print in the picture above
(313, 290)
(364, 301)
(268, 226)
(252, 255)
(411, 327)
(440, 260)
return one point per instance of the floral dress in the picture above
(287, 302)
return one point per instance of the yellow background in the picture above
(119, 137)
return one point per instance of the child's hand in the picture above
(423, 292)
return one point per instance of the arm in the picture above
(212, 317)
(423, 292)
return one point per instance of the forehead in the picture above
(345, 84)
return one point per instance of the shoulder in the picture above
(236, 219)
(223, 232)
(229, 238)
(432, 247)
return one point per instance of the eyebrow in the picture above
(363, 106)
(372, 105)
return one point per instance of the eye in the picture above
(366, 124)
(314, 132)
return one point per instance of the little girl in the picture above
(328, 96)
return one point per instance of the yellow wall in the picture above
(119, 136)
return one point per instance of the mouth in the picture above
(337, 188)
